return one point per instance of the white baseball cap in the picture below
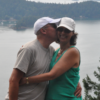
(44, 21)
(67, 23)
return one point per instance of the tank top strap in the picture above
(77, 49)
(79, 55)
(71, 46)
(55, 54)
(68, 48)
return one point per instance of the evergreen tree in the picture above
(90, 85)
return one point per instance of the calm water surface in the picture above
(88, 43)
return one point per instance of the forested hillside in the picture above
(21, 9)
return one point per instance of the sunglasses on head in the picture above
(61, 29)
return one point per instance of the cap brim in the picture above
(63, 25)
(56, 21)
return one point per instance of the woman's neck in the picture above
(65, 46)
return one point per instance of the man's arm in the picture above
(14, 84)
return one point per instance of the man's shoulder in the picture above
(29, 45)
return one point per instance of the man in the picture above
(33, 59)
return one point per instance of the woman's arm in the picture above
(68, 60)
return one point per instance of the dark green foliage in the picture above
(90, 85)
(21, 9)
(25, 22)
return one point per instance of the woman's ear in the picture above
(43, 31)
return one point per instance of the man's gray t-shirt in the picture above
(33, 59)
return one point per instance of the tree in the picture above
(90, 85)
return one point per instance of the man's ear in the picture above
(43, 31)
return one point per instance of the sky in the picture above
(60, 1)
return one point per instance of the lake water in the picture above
(88, 43)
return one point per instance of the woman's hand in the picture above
(22, 81)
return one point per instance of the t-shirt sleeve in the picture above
(23, 60)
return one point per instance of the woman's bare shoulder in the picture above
(72, 51)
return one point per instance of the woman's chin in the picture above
(63, 40)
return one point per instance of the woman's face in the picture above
(64, 35)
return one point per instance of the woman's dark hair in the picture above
(72, 40)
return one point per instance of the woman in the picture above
(64, 67)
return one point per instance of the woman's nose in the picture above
(63, 32)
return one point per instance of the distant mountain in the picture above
(27, 12)
(85, 0)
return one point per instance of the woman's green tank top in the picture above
(63, 87)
